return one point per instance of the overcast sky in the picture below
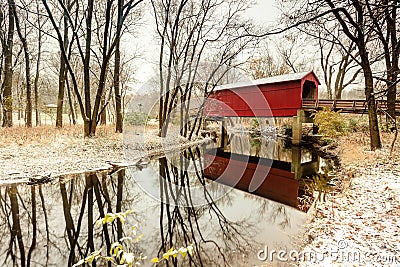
(265, 11)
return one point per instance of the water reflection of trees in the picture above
(272, 211)
(20, 219)
(181, 222)
(258, 146)
(54, 224)
(49, 225)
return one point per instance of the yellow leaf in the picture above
(139, 237)
(155, 260)
(183, 252)
(108, 219)
(166, 256)
(108, 258)
(89, 259)
(168, 253)
(174, 253)
(122, 261)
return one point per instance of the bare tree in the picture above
(28, 83)
(354, 24)
(339, 65)
(266, 64)
(117, 67)
(293, 52)
(62, 77)
(111, 31)
(384, 17)
(7, 44)
(190, 34)
(40, 24)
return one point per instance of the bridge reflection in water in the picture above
(264, 168)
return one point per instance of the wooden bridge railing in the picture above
(346, 106)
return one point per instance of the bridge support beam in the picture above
(224, 133)
(297, 126)
(296, 162)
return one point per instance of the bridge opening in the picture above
(309, 90)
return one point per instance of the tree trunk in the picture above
(120, 188)
(90, 213)
(391, 96)
(103, 70)
(62, 76)
(86, 102)
(61, 92)
(36, 82)
(34, 226)
(28, 110)
(370, 98)
(359, 39)
(117, 67)
(12, 192)
(392, 75)
(393, 68)
(103, 115)
(69, 222)
(71, 105)
(8, 71)
(86, 71)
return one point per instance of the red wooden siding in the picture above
(279, 185)
(279, 98)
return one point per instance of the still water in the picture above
(229, 203)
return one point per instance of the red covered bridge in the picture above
(288, 95)
(279, 96)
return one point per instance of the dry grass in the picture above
(46, 134)
(355, 148)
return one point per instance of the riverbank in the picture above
(34, 153)
(360, 224)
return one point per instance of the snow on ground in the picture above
(361, 225)
(64, 153)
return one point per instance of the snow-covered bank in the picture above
(359, 226)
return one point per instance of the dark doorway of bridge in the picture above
(309, 90)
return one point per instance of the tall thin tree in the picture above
(28, 83)
(117, 70)
(8, 69)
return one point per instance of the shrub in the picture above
(330, 123)
(352, 125)
(254, 124)
(136, 118)
(356, 123)
(388, 126)
(287, 130)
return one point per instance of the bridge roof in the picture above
(275, 79)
